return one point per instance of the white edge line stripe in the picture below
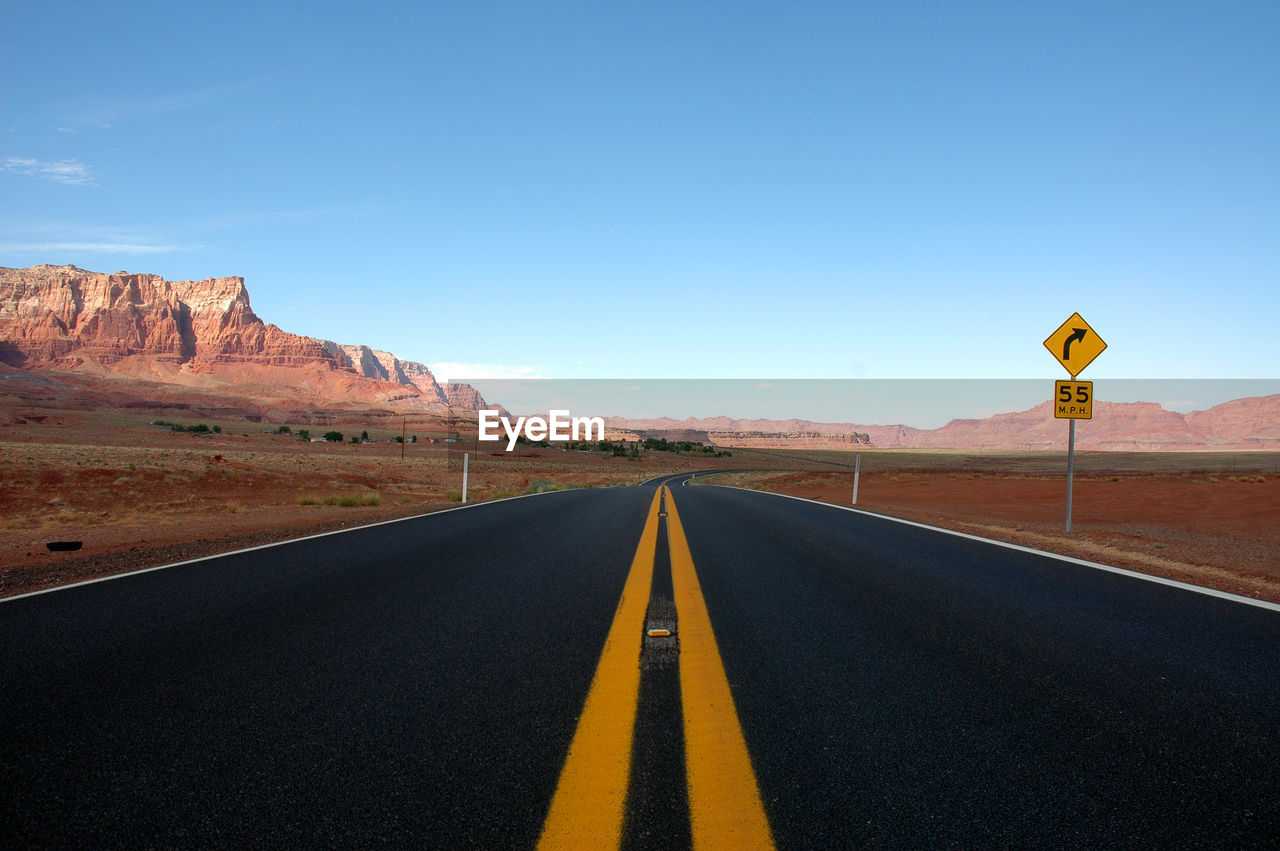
(268, 546)
(1185, 586)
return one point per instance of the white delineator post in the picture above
(857, 466)
(466, 458)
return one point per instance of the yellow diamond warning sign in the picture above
(1075, 344)
(1073, 400)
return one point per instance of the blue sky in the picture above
(673, 190)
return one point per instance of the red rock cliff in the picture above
(138, 325)
(63, 316)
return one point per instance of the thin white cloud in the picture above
(43, 239)
(103, 113)
(88, 247)
(59, 171)
(453, 371)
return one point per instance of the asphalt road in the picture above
(418, 683)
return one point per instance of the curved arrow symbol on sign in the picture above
(1074, 338)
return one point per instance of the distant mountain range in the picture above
(1252, 423)
(73, 338)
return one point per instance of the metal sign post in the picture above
(1071, 470)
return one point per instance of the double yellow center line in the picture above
(589, 806)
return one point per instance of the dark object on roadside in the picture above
(64, 546)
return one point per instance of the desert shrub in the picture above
(284, 430)
(546, 486)
(350, 500)
(199, 428)
(681, 446)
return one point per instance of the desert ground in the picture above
(136, 495)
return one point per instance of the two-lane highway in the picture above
(426, 683)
